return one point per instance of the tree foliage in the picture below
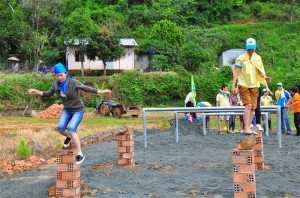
(104, 46)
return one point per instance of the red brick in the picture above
(68, 159)
(71, 192)
(258, 153)
(247, 168)
(66, 152)
(67, 167)
(259, 159)
(248, 187)
(128, 155)
(239, 159)
(128, 132)
(241, 195)
(258, 147)
(71, 175)
(63, 184)
(124, 137)
(260, 166)
(239, 177)
(125, 161)
(237, 152)
(125, 149)
(127, 143)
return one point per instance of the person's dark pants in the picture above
(297, 122)
(257, 110)
(232, 122)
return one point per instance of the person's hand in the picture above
(268, 79)
(32, 92)
(234, 90)
(105, 91)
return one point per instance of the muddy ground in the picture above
(196, 166)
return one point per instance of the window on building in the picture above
(77, 57)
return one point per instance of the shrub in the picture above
(23, 150)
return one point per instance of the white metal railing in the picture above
(235, 109)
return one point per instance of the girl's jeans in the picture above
(69, 120)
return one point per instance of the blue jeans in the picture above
(69, 120)
(285, 123)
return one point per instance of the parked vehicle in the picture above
(109, 107)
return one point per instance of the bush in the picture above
(23, 150)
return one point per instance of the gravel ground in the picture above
(198, 166)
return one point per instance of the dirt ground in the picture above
(196, 166)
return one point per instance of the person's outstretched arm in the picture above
(41, 93)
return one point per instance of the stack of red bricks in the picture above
(258, 152)
(243, 174)
(126, 149)
(67, 174)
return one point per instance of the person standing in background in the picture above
(282, 96)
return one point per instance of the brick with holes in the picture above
(66, 152)
(67, 167)
(66, 184)
(244, 195)
(70, 175)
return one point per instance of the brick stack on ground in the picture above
(125, 149)
(259, 151)
(67, 174)
(243, 171)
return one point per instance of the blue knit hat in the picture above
(59, 68)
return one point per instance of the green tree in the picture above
(104, 46)
(79, 28)
(191, 55)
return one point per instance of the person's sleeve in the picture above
(50, 92)
(218, 98)
(85, 88)
(287, 94)
(238, 63)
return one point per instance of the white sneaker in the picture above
(259, 127)
(251, 126)
(242, 131)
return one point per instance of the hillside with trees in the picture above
(183, 36)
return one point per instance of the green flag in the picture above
(193, 90)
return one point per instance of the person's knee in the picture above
(248, 106)
(61, 128)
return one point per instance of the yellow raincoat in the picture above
(249, 75)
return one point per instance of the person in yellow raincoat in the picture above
(248, 74)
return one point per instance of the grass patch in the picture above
(23, 150)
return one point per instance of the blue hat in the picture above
(59, 68)
(279, 84)
(250, 44)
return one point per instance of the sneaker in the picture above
(67, 142)
(232, 131)
(220, 132)
(289, 132)
(79, 159)
(242, 131)
(259, 127)
(251, 125)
